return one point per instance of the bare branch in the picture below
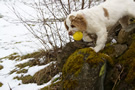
(69, 10)
(82, 4)
(63, 7)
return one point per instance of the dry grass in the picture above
(1, 67)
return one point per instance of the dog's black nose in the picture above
(70, 33)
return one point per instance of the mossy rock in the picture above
(82, 69)
(114, 50)
(68, 49)
(128, 61)
(122, 75)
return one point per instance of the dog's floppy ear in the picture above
(78, 21)
(66, 25)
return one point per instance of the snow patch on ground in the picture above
(14, 37)
(34, 69)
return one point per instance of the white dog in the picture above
(97, 20)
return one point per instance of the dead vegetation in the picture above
(1, 84)
(40, 77)
(39, 58)
(1, 67)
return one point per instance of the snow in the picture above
(8, 80)
(34, 86)
(37, 68)
(5, 78)
(14, 37)
(114, 41)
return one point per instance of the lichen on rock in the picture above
(82, 69)
(128, 61)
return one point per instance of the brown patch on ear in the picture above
(79, 22)
(106, 14)
(71, 17)
(66, 25)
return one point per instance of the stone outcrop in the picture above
(111, 69)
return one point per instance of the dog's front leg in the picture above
(101, 40)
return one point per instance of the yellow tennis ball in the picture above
(78, 36)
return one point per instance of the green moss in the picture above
(131, 74)
(75, 62)
(128, 60)
(109, 49)
(70, 84)
(97, 58)
(1, 84)
(75, 67)
(108, 44)
(133, 36)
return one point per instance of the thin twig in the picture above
(118, 79)
(9, 87)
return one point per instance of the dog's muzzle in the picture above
(70, 33)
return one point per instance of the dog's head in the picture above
(75, 22)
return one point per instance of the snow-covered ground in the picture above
(14, 37)
(14, 84)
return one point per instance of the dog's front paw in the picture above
(95, 49)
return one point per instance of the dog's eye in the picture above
(72, 26)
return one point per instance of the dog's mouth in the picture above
(70, 33)
(73, 32)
